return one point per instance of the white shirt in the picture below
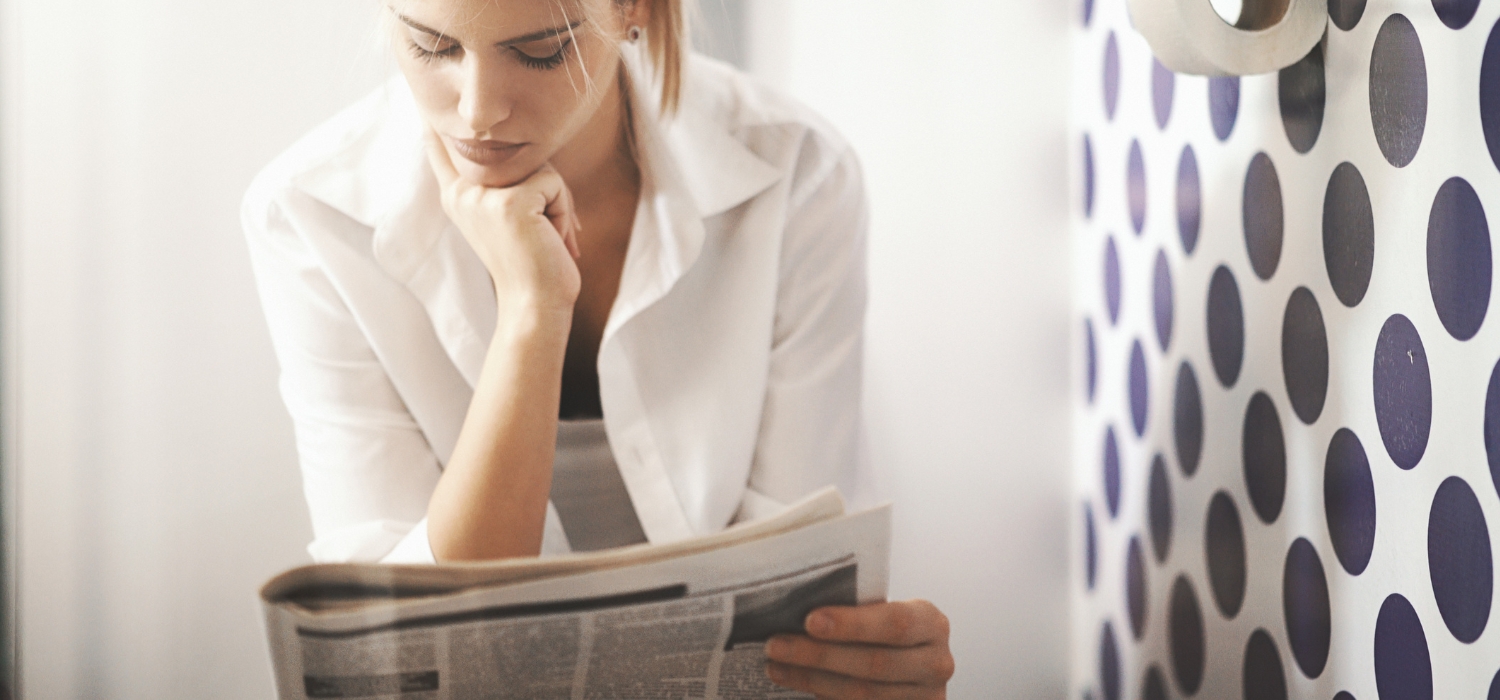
(729, 370)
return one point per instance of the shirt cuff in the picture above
(414, 548)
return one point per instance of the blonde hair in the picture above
(667, 42)
(666, 34)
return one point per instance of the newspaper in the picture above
(684, 620)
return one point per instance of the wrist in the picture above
(525, 321)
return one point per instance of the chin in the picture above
(505, 175)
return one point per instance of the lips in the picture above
(485, 153)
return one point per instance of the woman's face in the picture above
(507, 84)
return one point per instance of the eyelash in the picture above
(533, 62)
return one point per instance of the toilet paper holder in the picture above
(1189, 36)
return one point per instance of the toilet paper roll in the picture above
(1188, 36)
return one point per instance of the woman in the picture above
(556, 213)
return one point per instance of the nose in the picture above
(483, 101)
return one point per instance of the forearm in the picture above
(491, 501)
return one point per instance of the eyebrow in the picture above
(523, 39)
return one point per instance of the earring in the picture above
(633, 34)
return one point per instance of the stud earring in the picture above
(633, 34)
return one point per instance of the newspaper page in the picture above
(686, 626)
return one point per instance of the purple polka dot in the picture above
(1135, 186)
(1111, 76)
(1398, 90)
(1189, 200)
(1088, 12)
(1403, 666)
(1154, 687)
(1226, 326)
(1161, 300)
(1187, 420)
(1224, 547)
(1492, 426)
(1346, 13)
(1458, 558)
(1088, 176)
(1495, 687)
(1090, 546)
(1301, 93)
(1348, 234)
(1185, 627)
(1304, 355)
(1455, 13)
(1091, 360)
(1349, 501)
(1344, 695)
(1304, 599)
(1263, 677)
(1262, 216)
(1459, 266)
(1403, 392)
(1159, 509)
(1223, 105)
(1264, 450)
(1112, 280)
(1109, 664)
(1111, 472)
(1135, 588)
(1489, 94)
(1138, 389)
(1163, 84)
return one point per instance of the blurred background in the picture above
(151, 483)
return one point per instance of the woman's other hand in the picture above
(526, 234)
(882, 650)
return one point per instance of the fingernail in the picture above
(775, 673)
(818, 623)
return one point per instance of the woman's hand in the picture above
(491, 501)
(526, 234)
(882, 650)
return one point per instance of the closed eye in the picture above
(547, 62)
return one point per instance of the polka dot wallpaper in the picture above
(1288, 364)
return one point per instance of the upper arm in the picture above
(811, 429)
(367, 468)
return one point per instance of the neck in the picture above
(599, 162)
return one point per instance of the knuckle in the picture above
(940, 667)
(546, 178)
(942, 625)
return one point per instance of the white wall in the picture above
(155, 468)
(153, 463)
(957, 110)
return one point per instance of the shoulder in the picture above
(341, 162)
(777, 127)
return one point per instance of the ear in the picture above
(634, 12)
